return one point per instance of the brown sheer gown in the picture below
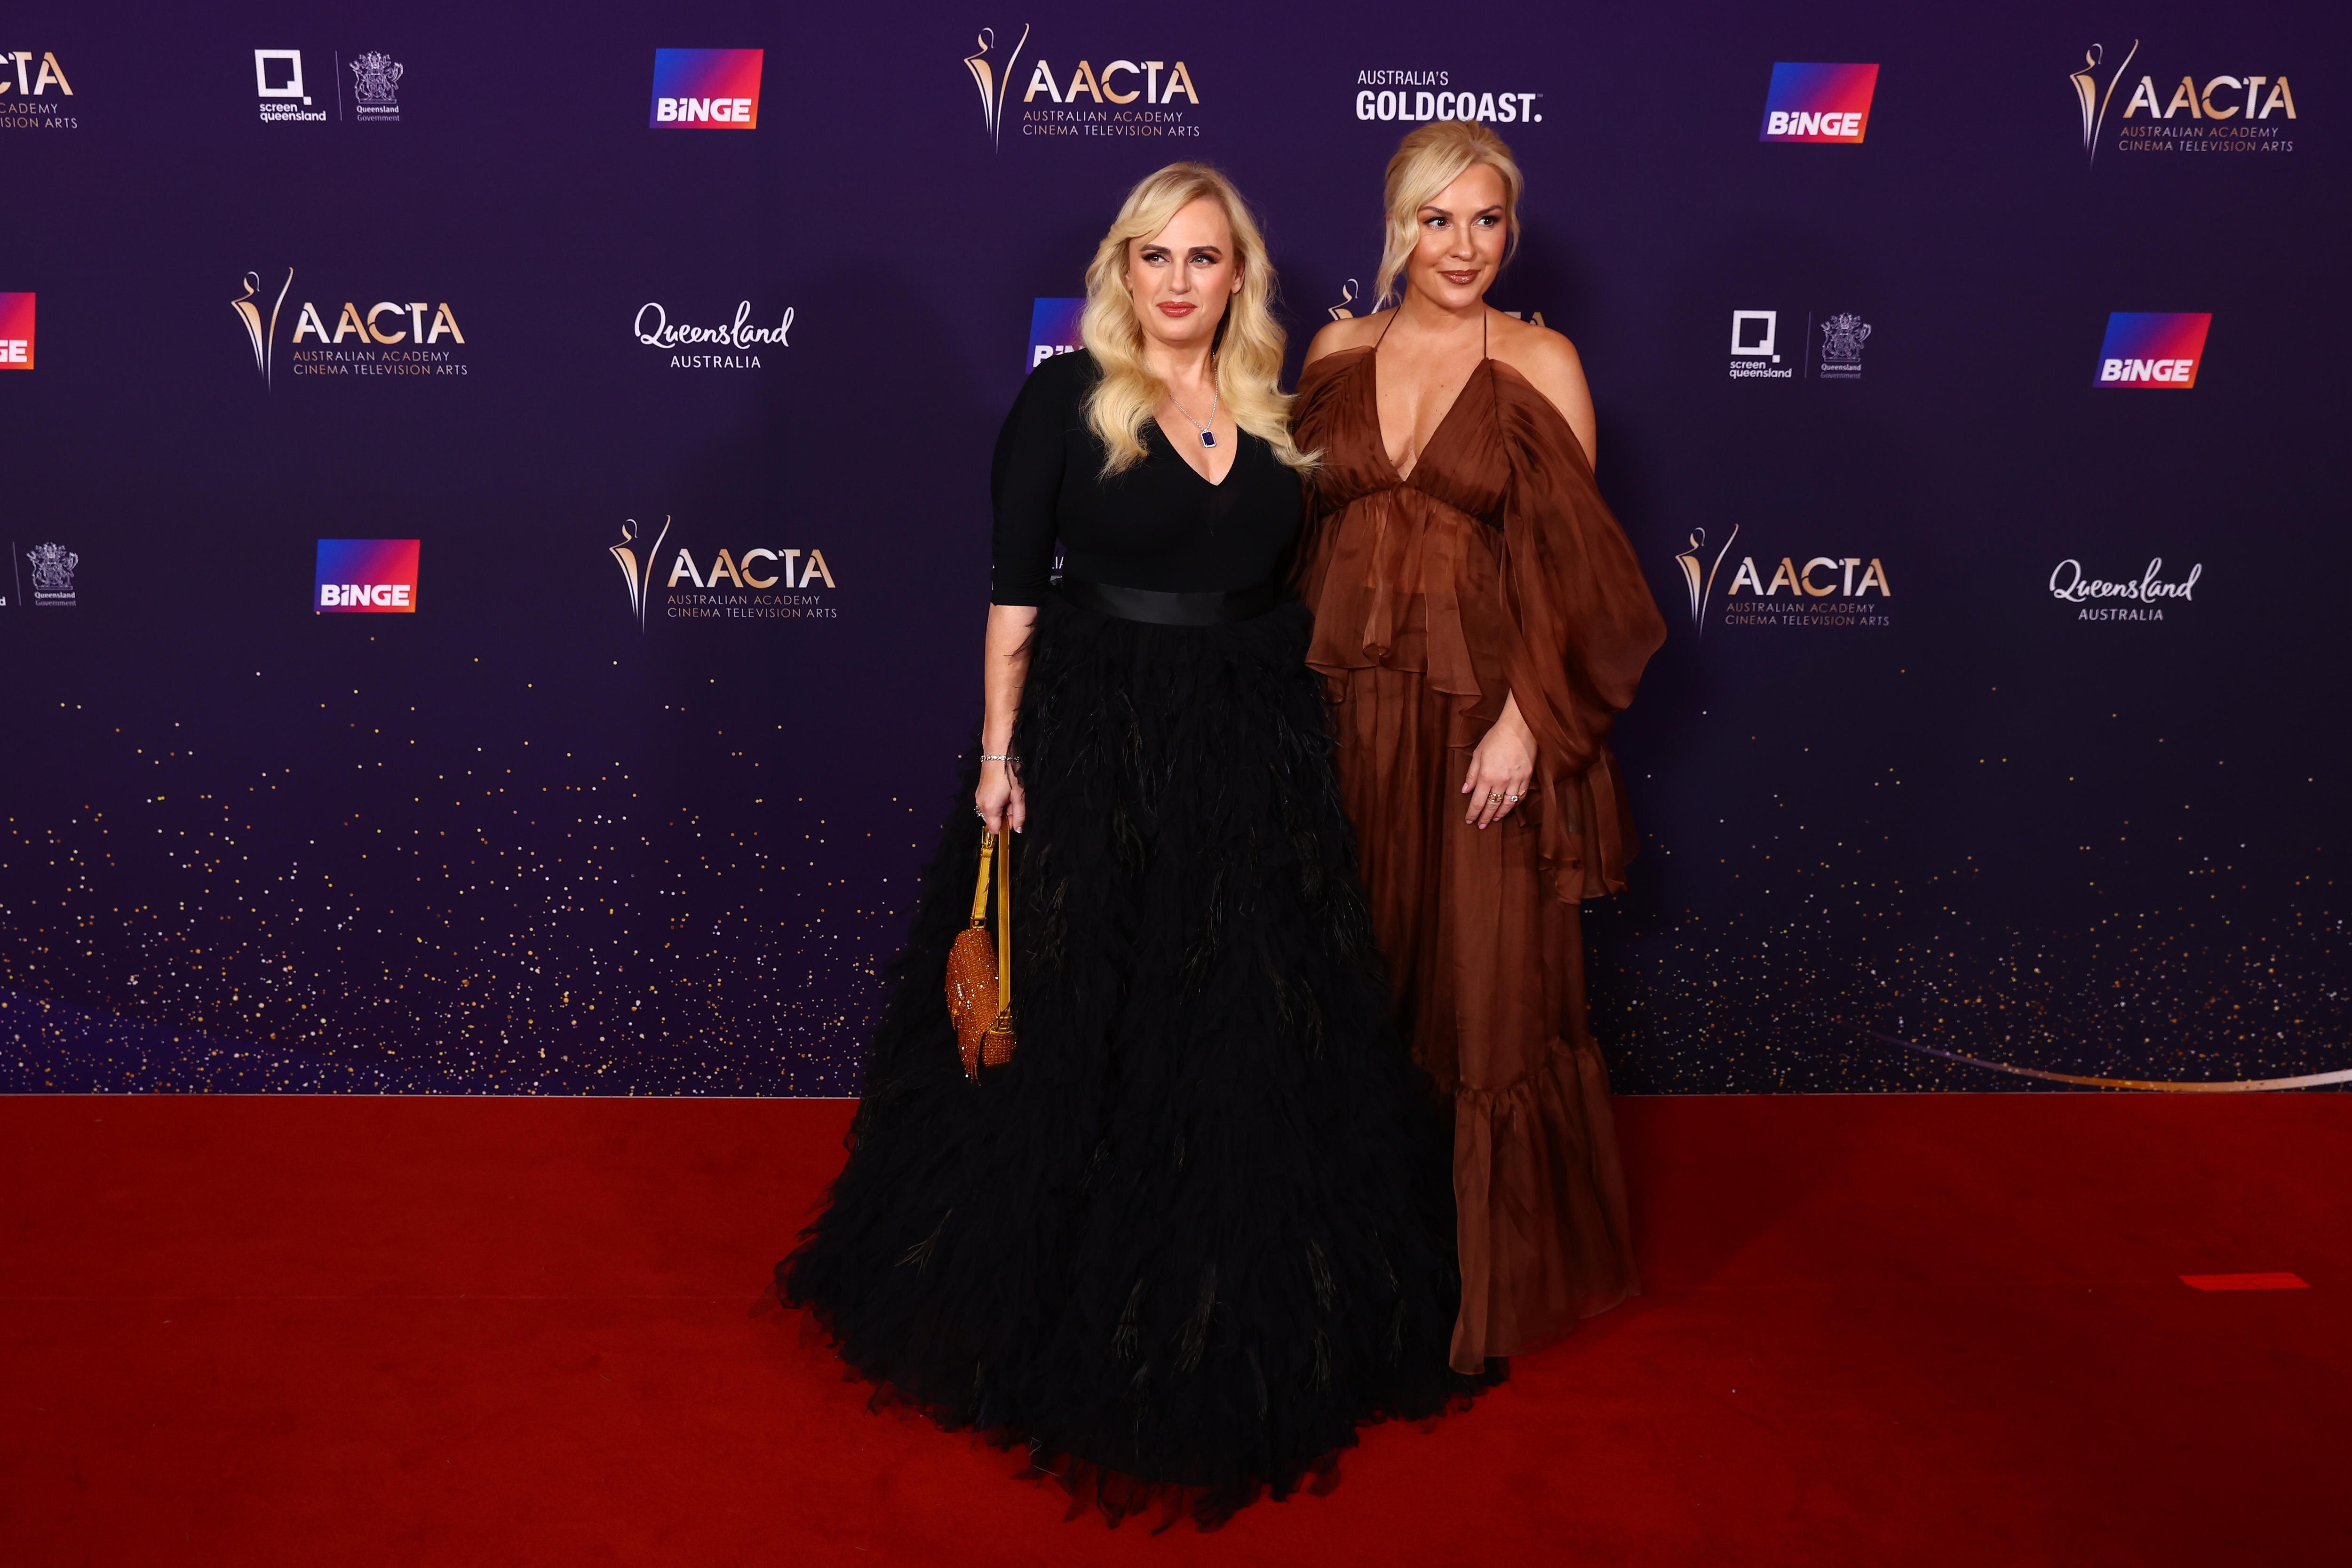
(1494, 568)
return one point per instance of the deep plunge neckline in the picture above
(1404, 476)
(1176, 452)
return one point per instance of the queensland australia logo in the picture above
(1120, 98)
(52, 570)
(722, 583)
(1054, 329)
(2142, 599)
(2230, 111)
(397, 338)
(1814, 102)
(1829, 346)
(34, 90)
(2152, 350)
(1825, 591)
(1417, 95)
(736, 344)
(366, 577)
(705, 90)
(16, 336)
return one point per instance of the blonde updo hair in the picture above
(1249, 342)
(1427, 160)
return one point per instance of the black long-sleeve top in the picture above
(1158, 525)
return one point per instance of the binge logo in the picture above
(15, 332)
(374, 576)
(1054, 329)
(1818, 102)
(707, 90)
(2156, 350)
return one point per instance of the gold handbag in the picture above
(980, 981)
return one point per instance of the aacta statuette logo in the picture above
(1125, 98)
(32, 96)
(762, 584)
(1701, 583)
(993, 88)
(16, 336)
(637, 572)
(1825, 591)
(53, 576)
(390, 338)
(2227, 113)
(2142, 598)
(734, 346)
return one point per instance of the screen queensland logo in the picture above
(356, 88)
(34, 92)
(2230, 110)
(2156, 351)
(1770, 345)
(1054, 329)
(1120, 96)
(402, 338)
(1818, 102)
(366, 577)
(705, 90)
(723, 576)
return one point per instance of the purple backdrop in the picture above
(1928, 758)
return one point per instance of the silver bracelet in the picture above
(986, 758)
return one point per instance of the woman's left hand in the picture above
(1501, 769)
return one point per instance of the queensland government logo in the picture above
(707, 90)
(1826, 591)
(1829, 347)
(17, 337)
(763, 582)
(1422, 95)
(1817, 102)
(1123, 97)
(735, 345)
(32, 96)
(2140, 599)
(2152, 350)
(366, 577)
(375, 87)
(2227, 113)
(391, 337)
(52, 567)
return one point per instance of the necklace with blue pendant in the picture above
(1208, 432)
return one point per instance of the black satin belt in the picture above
(1160, 609)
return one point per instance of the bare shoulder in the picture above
(1353, 332)
(1545, 357)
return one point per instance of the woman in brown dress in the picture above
(1479, 621)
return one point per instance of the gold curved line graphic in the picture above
(2157, 1086)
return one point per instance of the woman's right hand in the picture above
(999, 799)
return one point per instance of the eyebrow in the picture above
(1448, 212)
(1163, 245)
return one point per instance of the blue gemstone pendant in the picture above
(1208, 438)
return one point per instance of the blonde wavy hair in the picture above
(1427, 160)
(1248, 346)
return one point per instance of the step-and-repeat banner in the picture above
(496, 518)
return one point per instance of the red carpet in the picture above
(1881, 1330)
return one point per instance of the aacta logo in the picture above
(389, 338)
(1125, 98)
(2225, 113)
(374, 576)
(1054, 329)
(1817, 102)
(15, 332)
(707, 90)
(22, 81)
(2155, 350)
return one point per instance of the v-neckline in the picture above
(1404, 476)
(1186, 464)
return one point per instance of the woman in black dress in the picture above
(1200, 1227)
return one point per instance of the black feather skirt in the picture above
(1200, 1227)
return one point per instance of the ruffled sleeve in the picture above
(1579, 625)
